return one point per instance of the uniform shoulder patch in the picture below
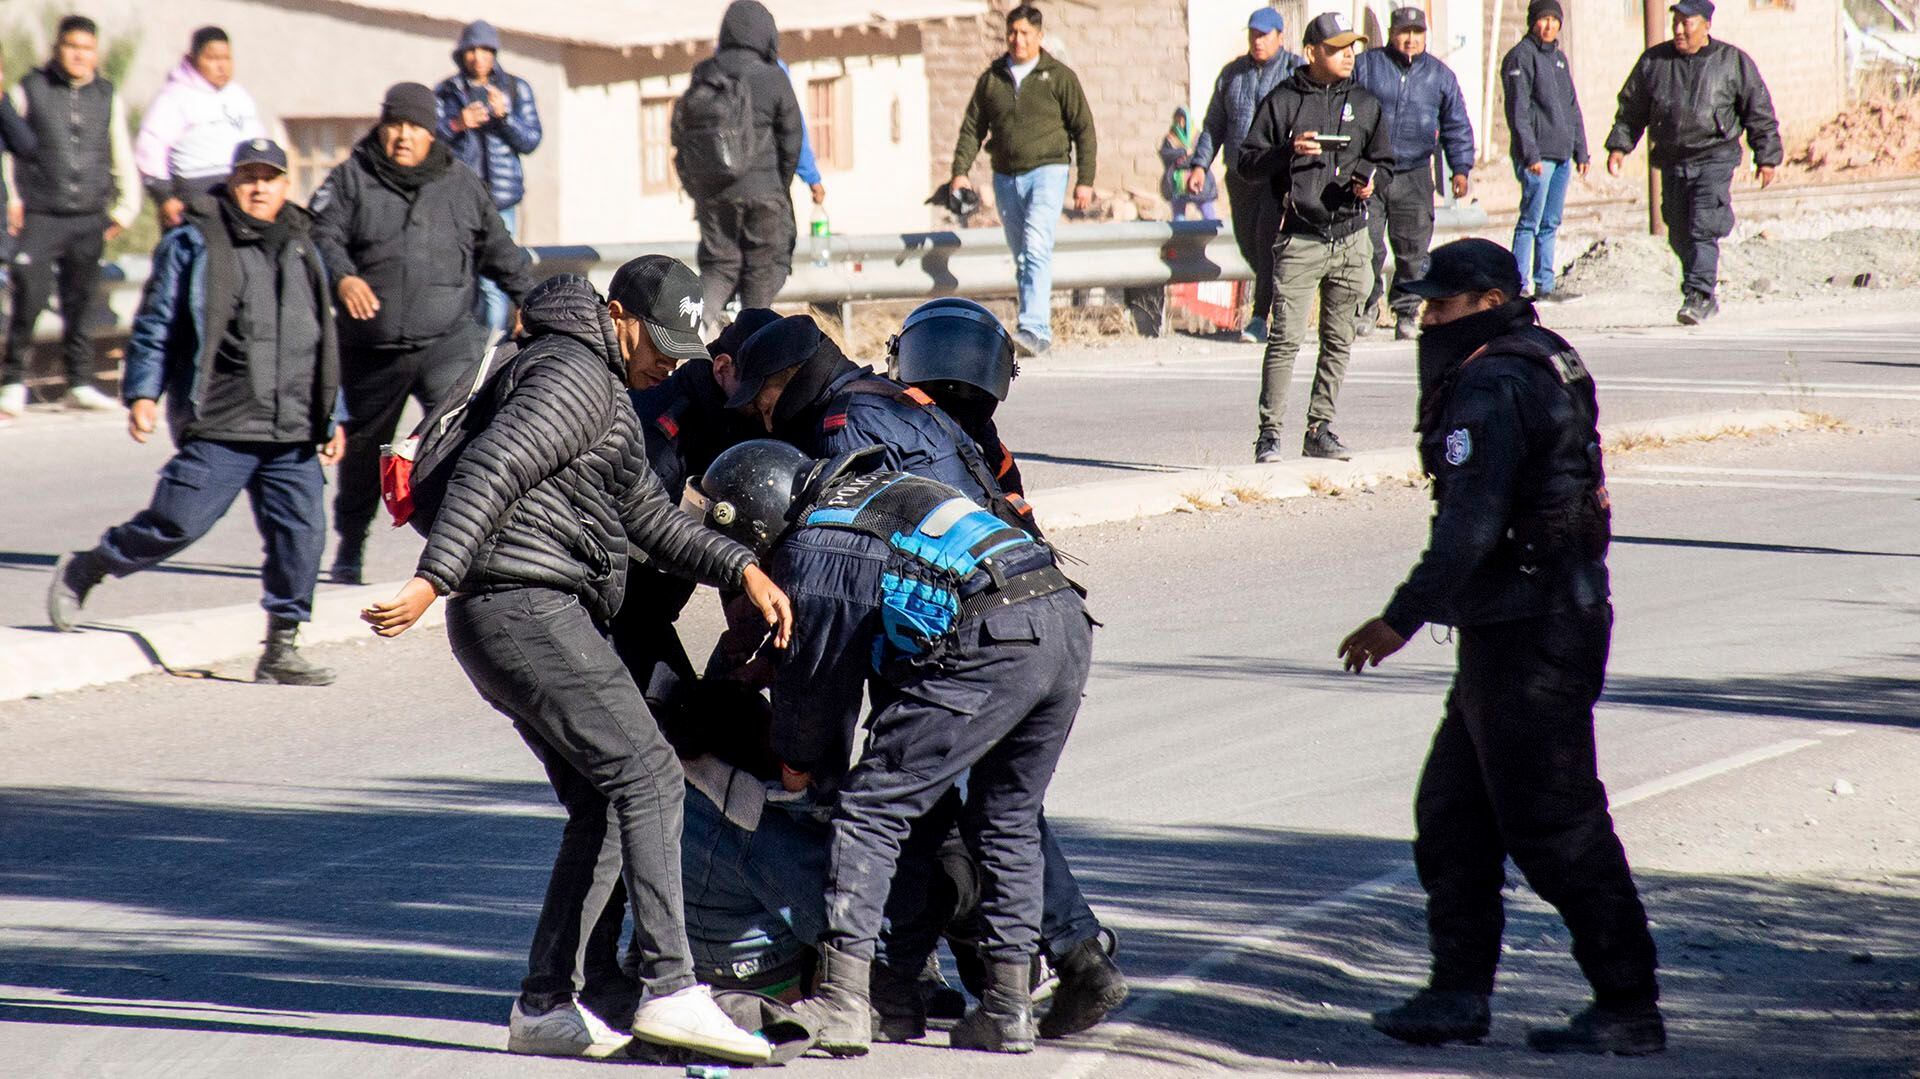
(1459, 447)
(834, 422)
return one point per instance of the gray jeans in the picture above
(1339, 273)
(537, 656)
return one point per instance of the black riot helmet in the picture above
(752, 491)
(953, 340)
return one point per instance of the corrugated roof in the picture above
(622, 24)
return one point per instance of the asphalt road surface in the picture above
(211, 879)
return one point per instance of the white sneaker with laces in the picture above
(689, 1019)
(88, 399)
(566, 1031)
(13, 399)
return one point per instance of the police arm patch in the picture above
(1459, 447)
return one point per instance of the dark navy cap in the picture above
(1265, 21)
(1333, 30)
(773, 348)
(1464, 266)
(745, 325)
(260, 152)
(1702, 8)
(1407, 18)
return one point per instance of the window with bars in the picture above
(316, 144)
(830, 122)
(656, 147)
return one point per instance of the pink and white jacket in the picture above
(190, 130)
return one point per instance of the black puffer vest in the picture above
(73, 172)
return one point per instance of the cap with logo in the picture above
(1265, 21)
(1702, 8)
(259, 152)
(1464, 266)
(1332, 30)
(665, 295)
(1408, 18)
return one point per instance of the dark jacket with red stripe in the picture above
(846, 417)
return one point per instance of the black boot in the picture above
(938, 998)
(1090, 987)
(899, 1011)
(1436, 1016)
(282, 661)
(1003, 1023)
(73, 577)
(1630, 1032)
(840, 1011)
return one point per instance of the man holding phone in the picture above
(1320, 144)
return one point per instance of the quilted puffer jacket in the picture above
(552, 492)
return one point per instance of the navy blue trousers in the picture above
(199, 485)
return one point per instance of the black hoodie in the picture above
(749, 49)
(1316, 193)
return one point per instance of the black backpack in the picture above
(713, 131)
(414, 472)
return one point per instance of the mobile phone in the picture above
(1337, 140)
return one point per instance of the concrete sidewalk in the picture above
(36, 661)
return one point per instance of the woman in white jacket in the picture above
(186, 140)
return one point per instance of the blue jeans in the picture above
(1030, 206)
(196, 489)
(493, 308)
(1541, 199)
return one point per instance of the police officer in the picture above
(908, 590)
(1516, 561)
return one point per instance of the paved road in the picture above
(1081, 415)
(223, 880)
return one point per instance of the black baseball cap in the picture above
(773, 348)
(665, 295)
(1702, 8)
(1408, 18)
(1464, 266)
(1332, 30)
(259, 152)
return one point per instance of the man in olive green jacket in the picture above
(1030, 111)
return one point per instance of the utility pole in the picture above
(1656, 32)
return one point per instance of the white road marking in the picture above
(1861, 391)
(1780, 473)
(1149, 1001)
(1757, 485)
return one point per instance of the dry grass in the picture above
(1322, 487)
(1827, 421)
(876, 321)
(1642, 441)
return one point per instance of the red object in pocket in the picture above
(396, 478)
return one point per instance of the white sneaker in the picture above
(566, 1031)
(13, 399)
(88, 399)
(689, 1019)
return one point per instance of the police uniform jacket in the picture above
(845, 419)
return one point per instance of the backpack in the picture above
(414, 471)
(713, 131)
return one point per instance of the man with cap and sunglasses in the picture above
(1237, 92)
(235, 332)
(1322, 187)
(1425, 113)
(403, 231)
(1693, 96)
(1516, 561)
(1548, 142)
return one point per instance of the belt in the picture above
(1030, 585)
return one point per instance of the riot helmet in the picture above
(752, 492)
(952, 339)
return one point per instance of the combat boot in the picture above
(899, 1009)
(1436, 1016)
(1091, 986)
(282, 662)
(840, 1011)
(1629, 1032)
(73, 577)
(1003, 1023)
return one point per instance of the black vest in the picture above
(73, 172)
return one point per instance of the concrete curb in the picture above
(35, 662)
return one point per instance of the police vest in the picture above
(1010, 507)
(947, 559)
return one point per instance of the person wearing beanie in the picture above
(191, 126)
(489, 121)
(403, 229)
(1547, 142)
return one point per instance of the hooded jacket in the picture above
(1316, 193)
(189, 131)
(749, 49)
(1693, 108)
(1543, 109)
(1424, 108)
(492, 150)
(556, 489)
(419, 250)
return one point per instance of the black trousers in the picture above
(376, 384)
(62, 248)
(1401, 214)
(746, 246)
(1696, 202)
(1512, 774)
(1256, 221)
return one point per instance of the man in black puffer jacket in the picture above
(403, 233)
(532, 541)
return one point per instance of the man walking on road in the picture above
(403, 230)
(1237, 92)
(1693, 96)
(489, 121)
(1516, 561)
(1029, 111)
(236, 332)
(1322, 186)
(1420, 97)
(1548, 142)
(78, 191)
